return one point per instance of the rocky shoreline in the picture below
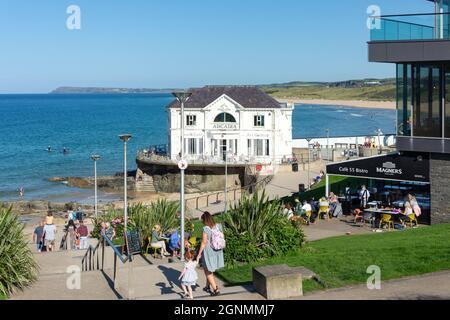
(41, 207)
(105, 183)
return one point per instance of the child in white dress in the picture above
(189, 275)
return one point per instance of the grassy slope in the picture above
(377, 93)
(344, 260)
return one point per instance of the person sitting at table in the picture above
(157, 241)
(174, 243)
(404, 217)
(288, 212)
(324, 207)
(298, 207)
(333, 200)
(414, 205)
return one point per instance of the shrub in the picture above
(256, 229)
(17, 266)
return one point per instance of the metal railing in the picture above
(91, 259)
(421, 26)
(144, 155)
(249, 189)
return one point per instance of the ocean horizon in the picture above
(91, 123)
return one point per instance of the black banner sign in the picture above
(413, 167)
(133, 242)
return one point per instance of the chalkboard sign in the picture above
(133, 242)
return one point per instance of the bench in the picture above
(280, 281)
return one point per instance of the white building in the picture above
(249, 124)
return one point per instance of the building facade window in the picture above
(258, 147)
(258, 121)
(191, 120)
(194, 146)
(420, 92)
(225, 117)
(447, 103)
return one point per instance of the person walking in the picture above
(71, 229)
(49, 236)
(211, 252)
(364, 196)
(38, 236)
(189, 275)
(83, 233)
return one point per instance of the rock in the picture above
(39, 205)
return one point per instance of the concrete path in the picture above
(428, 286)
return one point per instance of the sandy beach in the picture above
(391, 105)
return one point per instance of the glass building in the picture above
(419, 45)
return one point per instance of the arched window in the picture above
(224, 117)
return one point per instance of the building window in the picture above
(194, 146)
(258, 121)
(225, 117)
(267, 148)
(191, 120)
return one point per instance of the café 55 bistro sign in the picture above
(405, 167)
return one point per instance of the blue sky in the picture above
(183, 43)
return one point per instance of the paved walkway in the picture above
(428, 286)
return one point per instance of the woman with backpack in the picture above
(211, 252)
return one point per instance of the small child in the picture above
(189, 275)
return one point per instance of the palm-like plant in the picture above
(253, 215)
(161, 212)
(17, 266)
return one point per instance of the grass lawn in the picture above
(375, 93)
(343, 261)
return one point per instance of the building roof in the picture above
(246, 96)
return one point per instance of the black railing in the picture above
(91, 260)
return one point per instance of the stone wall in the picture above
(440, 188)
(166, 177)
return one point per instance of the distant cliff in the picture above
(98, 90)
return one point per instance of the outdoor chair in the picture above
(358, 216)
(192, 242)
(306, 218)
(324, 211)
(413, 219)
(386, 219)
(155, 249)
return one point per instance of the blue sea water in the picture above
(87, 124)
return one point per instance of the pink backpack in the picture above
(217, 239)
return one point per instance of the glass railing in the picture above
(410, 27)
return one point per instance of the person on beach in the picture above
(71, 229)
(189, 275)
(49, 218)
(21, 192)
(83, 233)
(211, 252)
(49, 236)
(38, 236)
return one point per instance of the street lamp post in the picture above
(125, 138)
(309, 160)
(226, 180)
(182, 97)
(95, 158)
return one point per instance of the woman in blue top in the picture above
(211, 259)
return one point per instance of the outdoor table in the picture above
(376, 213)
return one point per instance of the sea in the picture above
(91, 123)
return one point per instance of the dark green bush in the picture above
(256, 229)
(17, 266)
